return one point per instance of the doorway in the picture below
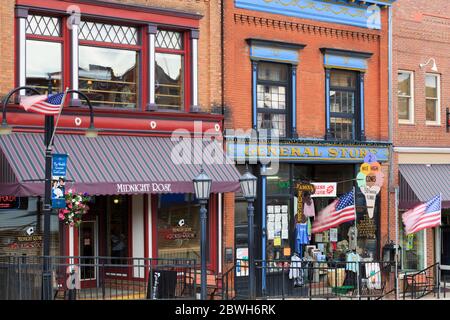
(445, 243)
(88, 237)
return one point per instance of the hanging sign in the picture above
(324, 189)
(301, 187)
(59, 171)
(370, 179)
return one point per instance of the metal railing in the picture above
(98, 278)
(312, 280)
(419, 284)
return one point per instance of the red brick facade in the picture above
(240, 24)
(421, 31)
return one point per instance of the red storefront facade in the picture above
(140, 68)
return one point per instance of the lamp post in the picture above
(202, 188)
(48, 141)
(248, 186)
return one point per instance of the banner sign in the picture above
(324, 189)
(370, 179)
(254, 151)
(59, 171)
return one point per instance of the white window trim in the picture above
(438, 106)
(411, 101)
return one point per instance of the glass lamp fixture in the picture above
(248, 185)
(202, 186)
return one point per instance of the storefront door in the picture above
(88, 252)
(445, 249)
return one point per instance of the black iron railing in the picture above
(94, 278)
(419, 284)
(312, 280)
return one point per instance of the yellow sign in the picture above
(277, 242)
(365, 168)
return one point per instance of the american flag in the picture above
(339, 211)
(49, 105)
(426, 215)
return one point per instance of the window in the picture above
(272, 108)
(413, 250)
(43, 52)
(432, 93)
(109, 64)
(170, 65)
(178, 227)
(343, 103)
(117, 225)
(405, 97)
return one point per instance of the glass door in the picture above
(88, 251)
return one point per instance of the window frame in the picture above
(288, 101)
(62, 39)
(185, 53)
(437, 122)
(411, 106)
(356, 135)
(138, 48)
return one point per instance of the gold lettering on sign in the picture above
(317, 153)
(367, 228)
(300, 189)
(296, 152)
(308, 152)
(333, 152)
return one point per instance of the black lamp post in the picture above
(48, 141)
(248, 186)
(202, 187)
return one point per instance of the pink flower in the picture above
(61, 216)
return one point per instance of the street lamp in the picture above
(248, 186)
(202, 188)
(48, 140)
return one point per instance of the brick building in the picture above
(421, 137)
(149, 68)
(315, 76)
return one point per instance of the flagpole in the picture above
(396, 243)
(356, 244)
(59, 115)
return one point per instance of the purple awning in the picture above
(109, 165)
(419, 183)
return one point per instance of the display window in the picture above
(286, 235)
(178, 227)
(21, 227)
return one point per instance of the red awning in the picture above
(109, 165)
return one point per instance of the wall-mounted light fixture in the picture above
(433, 68)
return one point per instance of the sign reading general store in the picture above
(303, 152)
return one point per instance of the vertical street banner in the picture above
(59, 170)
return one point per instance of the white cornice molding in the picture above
(421, 150)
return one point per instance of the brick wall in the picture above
(421, 32)
(243, 24)
(209, 44)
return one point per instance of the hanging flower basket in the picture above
(76, 207)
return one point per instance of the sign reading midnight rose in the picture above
(143, 187)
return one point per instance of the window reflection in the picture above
(169, 81)
(178, 227)
(43, 60)
(109, 77)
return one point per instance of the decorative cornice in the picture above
(305, 28)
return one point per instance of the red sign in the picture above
(325, 189)
(8, 202)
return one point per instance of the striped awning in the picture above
(109, 165)
(419, 183)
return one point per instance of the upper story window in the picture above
(432, 93)
(108, 70)
(405, 97)
(343, 104)
(170, 70)
(272, 97)
(44, 45)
